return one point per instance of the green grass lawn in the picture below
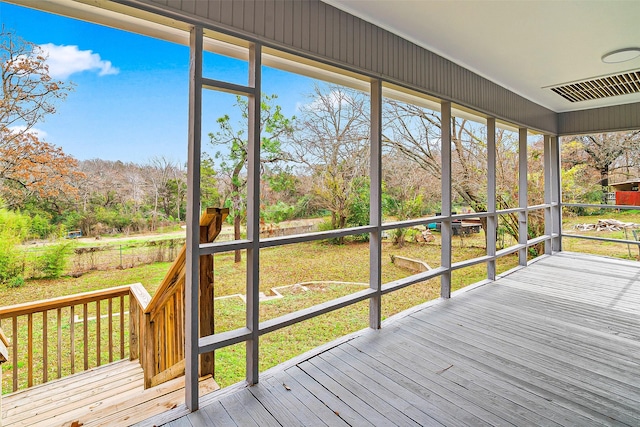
(281, 266)
(316, 262)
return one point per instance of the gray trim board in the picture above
(598, 120)
(335, 37)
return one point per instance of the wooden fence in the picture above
(61, 336)
(53, 338)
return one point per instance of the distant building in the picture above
(626, 193)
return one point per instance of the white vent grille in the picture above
(602, 87)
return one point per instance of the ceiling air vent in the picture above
(601, 87)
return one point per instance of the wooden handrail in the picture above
(141, 295)
(173, 277)
(156, 325)
(138, 303)
(4, 356)
(35, 322)
(162, 353)
(3, 338)
(212, 218)
(59, 302)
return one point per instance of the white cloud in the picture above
(331, 101)
(66, 60)
(35, 131)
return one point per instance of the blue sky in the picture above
(130, 97)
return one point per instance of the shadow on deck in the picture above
(556, 343)
(110, 395)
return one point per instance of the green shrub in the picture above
(52, 261)
(279, 212)
(41, 228)
(13, 228)
(10, 265)
(326, 226)
(16, 282)
(14, 224)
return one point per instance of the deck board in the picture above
(553, 332)
(235, 407)
(310, 401)
(68, 397)
(585, 385)
(466, 386)
(217, 415)
(367, 411)
(556, 344)
(553, 344)
(112, 394)
(434, 400)
(394, 410)
(298, 409)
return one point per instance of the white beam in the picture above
(375, 206)
(522, 196)
(548, 196)
(253, 214)
(556, 194)
(192, 259)
(445, 225)
(492, 219)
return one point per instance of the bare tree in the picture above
(407, 190)
(332, 141)
(160, 171)
(415, 133)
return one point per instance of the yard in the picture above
(321, 270)
(612, 249)
(304, 275)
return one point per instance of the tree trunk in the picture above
(342, 222)
(483, 223)
(604, 182)
(236, 236)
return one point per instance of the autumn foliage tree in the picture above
(28, 165)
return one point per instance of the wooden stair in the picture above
(109, 395)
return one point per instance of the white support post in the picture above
(253, 215)
(556, 194)
(492, 219)
(548, 197)
(375, 206)
(522, 196)
(445, 225)
(192, 259)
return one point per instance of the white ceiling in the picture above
(523, 45)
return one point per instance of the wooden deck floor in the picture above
(110, 395)
(557, 343)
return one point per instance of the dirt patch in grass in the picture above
(612, 249)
